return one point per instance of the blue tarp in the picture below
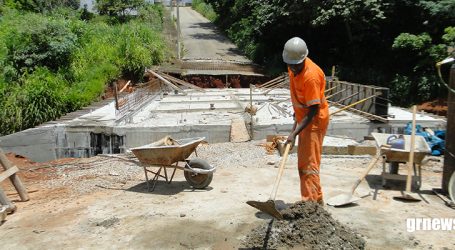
(436, 141)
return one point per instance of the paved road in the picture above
(202, 40)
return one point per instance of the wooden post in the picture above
(5, 201)
(14, 178)
(116, 95)
(449, 155)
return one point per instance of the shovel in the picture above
(269, 206)
(344, 199)
(406, 195)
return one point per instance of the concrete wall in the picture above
(37, 144)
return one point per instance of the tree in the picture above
(118, 8)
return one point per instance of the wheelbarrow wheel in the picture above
(196, 180)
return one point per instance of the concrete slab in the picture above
(104, 203)
(208, 114)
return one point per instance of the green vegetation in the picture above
(55, 61)
(383, 42)
(118, 9)
(205, 9)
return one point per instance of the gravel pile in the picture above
(90, 174)
(247, 154)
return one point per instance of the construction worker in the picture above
(311, 116)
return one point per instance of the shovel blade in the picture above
(342, 199)
(406, 196)
(267, 207)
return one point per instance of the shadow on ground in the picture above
(164, 188)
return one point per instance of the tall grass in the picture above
(204, 9)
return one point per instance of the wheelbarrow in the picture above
(168, 153)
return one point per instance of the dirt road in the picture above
(202, 40)
(100, 203)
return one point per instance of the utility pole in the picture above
(178, 30)
(449, 155)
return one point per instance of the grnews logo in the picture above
(430, 224)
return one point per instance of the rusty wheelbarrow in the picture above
(169, 153)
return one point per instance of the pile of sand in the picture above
(306, 225)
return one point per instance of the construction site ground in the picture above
(103, 202)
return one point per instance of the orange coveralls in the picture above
(307, 89)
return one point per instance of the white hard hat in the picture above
(295, 51)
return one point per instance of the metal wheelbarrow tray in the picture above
(198, 173)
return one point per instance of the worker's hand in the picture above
(291, 140)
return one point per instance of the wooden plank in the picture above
(8, 173)
(362, 150)
(179, 81)
(124, 87)
(14, 178)
(167, 82)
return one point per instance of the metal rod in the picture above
(352, 104)
(326, 91)
(344, 99)
(336, 93)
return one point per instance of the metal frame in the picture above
(157, 174)
(385, 175)
(151, 183)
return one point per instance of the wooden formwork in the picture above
(344, 93)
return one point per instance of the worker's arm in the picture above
(300, 126)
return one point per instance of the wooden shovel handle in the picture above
(368, 169)
(280, 171)
(411, 153)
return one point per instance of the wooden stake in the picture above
(124, 87)
(14, 178)
(116, 96)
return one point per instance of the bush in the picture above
(139, 46)
(205, 9)
(54, 64)
(43, 97)
(37, 41)
(152, 14)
